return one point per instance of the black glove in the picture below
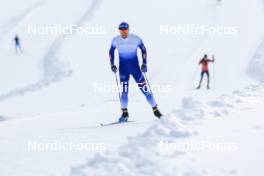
(114, 68)
(144, 68)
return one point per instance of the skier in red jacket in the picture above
(205, 70)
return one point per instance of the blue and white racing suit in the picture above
(129, 65)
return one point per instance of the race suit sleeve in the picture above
(112, 53)
(143, 51)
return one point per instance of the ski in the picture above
(115, 123)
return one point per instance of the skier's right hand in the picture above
(114, 68)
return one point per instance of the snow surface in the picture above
(47, 93)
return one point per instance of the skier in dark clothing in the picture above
(205, 70)
(17, 44)
(127, 46)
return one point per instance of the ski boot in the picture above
(208, 87)
(198, 87)
(124, 116)
(156, 112)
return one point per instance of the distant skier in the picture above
(17, 44)
(127, 45)
(205, 70)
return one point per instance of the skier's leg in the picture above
(208, 79)
(148, 94)
(124, 79)
(20, 48)
(201, 80)
(140, 80)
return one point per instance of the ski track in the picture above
(54, 70)
(172, 127)
(257, 64)
(15, 21)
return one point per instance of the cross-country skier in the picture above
(205, 70)
(127, 45)
(17, 44)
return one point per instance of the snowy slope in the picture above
(50, 95)
(230, 145)
(179, 56)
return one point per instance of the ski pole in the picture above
(145, 75)
(214, 76)
(118, 91)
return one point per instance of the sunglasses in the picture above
(123, 30)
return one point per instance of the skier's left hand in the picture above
(113, 68)
(144, 68)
